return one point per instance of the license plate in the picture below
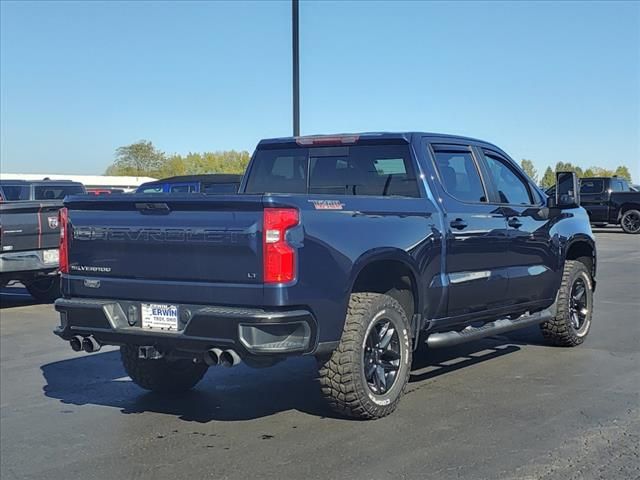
(50, 256)
(160, 316)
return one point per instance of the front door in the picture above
(595, 199)
(532, 259)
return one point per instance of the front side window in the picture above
(459, 174)
(376, 170)
(619, 186)
(512, 189)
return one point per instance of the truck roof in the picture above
(371, 138)
(38, 182)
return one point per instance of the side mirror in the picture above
(567, 193)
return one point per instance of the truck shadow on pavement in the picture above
(243, 393)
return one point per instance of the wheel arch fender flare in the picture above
(394, 255)
(576, 241)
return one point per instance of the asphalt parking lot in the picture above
(506, 407)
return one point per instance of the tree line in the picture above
(549, 176)
(144, 159)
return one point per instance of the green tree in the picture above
(548, 179)
(140, 158)
(623, 172)
(600, 172)
(568, 167)
(530, 169)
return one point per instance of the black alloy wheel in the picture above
(630, 221)
(578, 308)
(381, 356)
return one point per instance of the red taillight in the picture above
(63, 221)
(279, 256)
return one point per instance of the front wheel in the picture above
(630, 221)
(574, 309)
(366, 375)
(45, 289)
(161, 375)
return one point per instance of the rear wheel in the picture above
(366, 375)
(574, 310)
(161, 375)
(45, 289)
(630, 221)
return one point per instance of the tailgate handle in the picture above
(153, 208)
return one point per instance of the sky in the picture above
(546, 81)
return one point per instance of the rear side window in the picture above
(591, 186)
(511, 187)
(56, 192)
(376, 170)
(459, 174)
(14, 193)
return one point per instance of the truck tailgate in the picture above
(29, 225)
(184, 239)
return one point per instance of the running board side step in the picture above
(469, 334)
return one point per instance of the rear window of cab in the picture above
(371, 170)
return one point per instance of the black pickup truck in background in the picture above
(29, 234)
(611, 200)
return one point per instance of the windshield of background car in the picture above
(374, 170)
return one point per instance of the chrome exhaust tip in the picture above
(90, 344)
(76, 343)
(212, 357)
(229, 358)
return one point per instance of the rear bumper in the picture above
(251, 332)
(29, 260)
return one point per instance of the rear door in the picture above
(477, 240)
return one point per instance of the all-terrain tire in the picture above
(342, 377)
(161, 375)
(560, 330)
(630, 221)
(45, 289)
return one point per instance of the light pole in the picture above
(296, 67)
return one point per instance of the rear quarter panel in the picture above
(335, 245)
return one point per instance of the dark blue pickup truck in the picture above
(356, 249)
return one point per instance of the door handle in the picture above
(514, 222)
(458, 224)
